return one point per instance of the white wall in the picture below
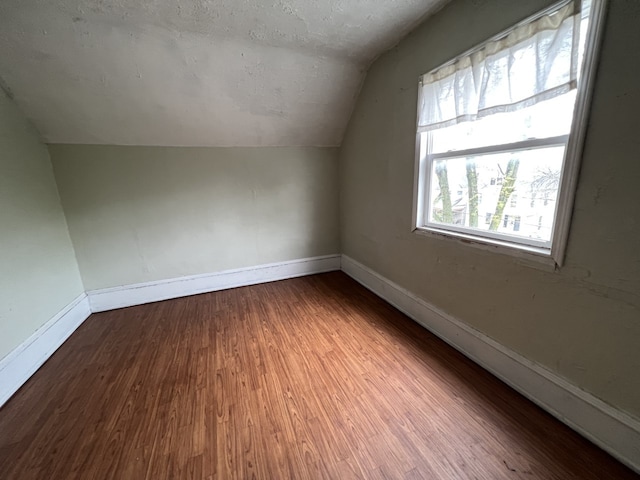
(38, 271)
(139, 214)
(581, 322)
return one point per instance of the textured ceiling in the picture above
(195, 72)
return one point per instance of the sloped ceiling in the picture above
(195, 72)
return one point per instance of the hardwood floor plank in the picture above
(307, 378)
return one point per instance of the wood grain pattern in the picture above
(307, 378)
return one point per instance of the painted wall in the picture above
(582, 322)
(139, 214)
(38, 271)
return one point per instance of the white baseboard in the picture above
(141, 293)
(612, 430)
(18, 366)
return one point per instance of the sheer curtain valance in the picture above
(534, 62)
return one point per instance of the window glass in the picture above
(493, 179)
(550, 118)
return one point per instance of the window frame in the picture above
(550, 253)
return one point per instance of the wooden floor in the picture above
(307, 378)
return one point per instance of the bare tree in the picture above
(445, 192)
(546, 179)
(472, 184)
(508, 185)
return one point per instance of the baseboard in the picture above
(141, 293)
(18, 366)
(612, 430)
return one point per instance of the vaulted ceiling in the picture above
(195, 72)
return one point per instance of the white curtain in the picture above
(534, 62)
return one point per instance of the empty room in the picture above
(299, 239)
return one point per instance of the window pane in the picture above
(550, 118)
(478, 192)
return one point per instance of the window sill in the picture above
(535, 257)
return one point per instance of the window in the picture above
(516, 223)
(508, 116)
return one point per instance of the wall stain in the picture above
(5, 88)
